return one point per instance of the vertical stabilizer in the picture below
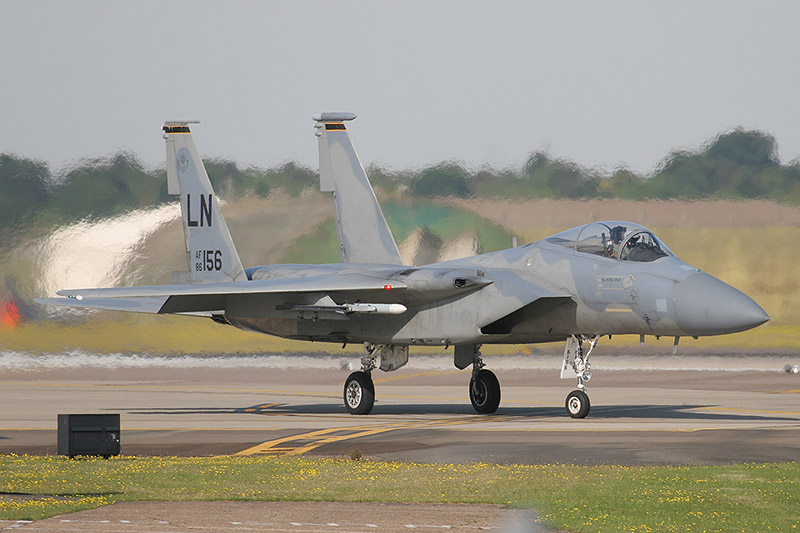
(364, 236)
(209, 247)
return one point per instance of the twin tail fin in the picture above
(210, 251)
(364, 236)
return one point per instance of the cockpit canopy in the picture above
(625, 241)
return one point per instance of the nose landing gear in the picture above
(576, 365)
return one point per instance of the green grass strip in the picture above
(751, 497)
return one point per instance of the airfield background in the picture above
(729, 207)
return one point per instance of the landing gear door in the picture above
(570, 352)
(393, 357)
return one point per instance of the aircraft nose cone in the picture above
(706, 306)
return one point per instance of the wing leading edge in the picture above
(184, 298)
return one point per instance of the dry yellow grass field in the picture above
(750, 245)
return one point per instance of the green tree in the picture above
(744, 148)
(444, 179)
(294, 178)
(23, 189)
(683, 174)
(104, 187)
(624, 183)
(225, 177)
(568, 180)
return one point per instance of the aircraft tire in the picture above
(577, 404)
(484, 392)
(359, 393)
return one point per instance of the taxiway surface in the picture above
(645, 410)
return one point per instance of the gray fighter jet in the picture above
(604, 278)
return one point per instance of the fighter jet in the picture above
(604, 278)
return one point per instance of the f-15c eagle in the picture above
(603, 278)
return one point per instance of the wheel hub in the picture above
(479, 392)
(353, 394)
(574, 405)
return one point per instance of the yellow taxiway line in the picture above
(305, 442)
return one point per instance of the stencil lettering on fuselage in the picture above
(616, 282)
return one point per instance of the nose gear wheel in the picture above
(577, 404)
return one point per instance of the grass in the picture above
(752, 497)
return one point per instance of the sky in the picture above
(604, 84)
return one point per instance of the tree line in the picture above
(739, 164)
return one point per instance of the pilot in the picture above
(628, 248)
(638, 249)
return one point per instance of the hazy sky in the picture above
(601, 83)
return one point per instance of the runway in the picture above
(696, 409)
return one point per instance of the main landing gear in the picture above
(359, 391)
(484, 389)
(576, 364)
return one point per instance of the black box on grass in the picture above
(88, 435)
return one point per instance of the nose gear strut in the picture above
(576, 364)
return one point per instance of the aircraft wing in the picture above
(203, 297)
(137, 305)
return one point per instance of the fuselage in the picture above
(540, 292)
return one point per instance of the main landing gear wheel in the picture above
(578, 404)
(484, 391)
(359, 393)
